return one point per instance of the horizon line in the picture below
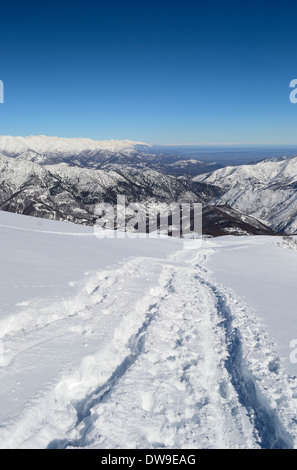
(140, 142)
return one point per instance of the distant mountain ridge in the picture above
(106, 155)
(44, 144)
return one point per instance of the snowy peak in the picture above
(265, 190)
(45, 145)
(264, 172)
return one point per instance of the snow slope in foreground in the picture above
(147, 349)
(42, 258)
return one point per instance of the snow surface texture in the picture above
(265, 190)
(149, 350)
(288, 242)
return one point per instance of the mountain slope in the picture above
(266, 190)
(223, 220)
(62, 192)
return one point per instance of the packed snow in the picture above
(144, 343)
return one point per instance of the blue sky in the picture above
(155, 71)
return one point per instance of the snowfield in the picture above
(134, 343)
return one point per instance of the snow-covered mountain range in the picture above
(266, 190)
(104, 155)
(64, 192)
(42, 144)
(70, 193)
(63, 179)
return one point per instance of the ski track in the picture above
(184, 364)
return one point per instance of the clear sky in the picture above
(161, 71)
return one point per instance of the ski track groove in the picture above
(83, 407)
(269, 431)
